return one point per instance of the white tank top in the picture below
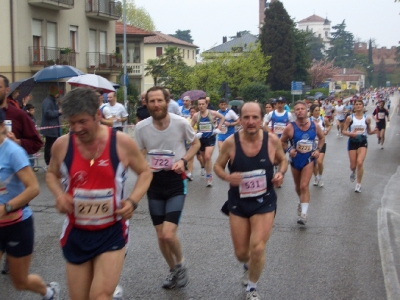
(320, 122)
(360, 126)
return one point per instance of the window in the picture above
(37, 54)
(319, 35)
(73, 38)
(193, 54)
(326, 33)
(188, 54)
(159, 51)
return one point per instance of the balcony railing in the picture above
(47, 56)
(112, 62)
(134, 69)
(53, 4)
(103, 9)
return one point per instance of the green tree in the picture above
(302, 60)
(342, 47)
(183, 35)
(138, 17)
(255, 91)
(315, 45)
(381, 77)
(277, 41)
(154, 68)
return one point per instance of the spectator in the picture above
(117, 110)
(23, 131)
(30, 109)
(142, 112)
(50, 118)
(12, 98)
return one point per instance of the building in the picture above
(154, 47)
(263, 4)
(241, 43)
(320, 26)
(347, 79)
(389, 56)
(39, 33)
(135, 61)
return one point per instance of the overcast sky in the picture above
(210, 20)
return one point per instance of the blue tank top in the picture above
(231, 129)
(279, 122)
(304, 143)
(205, 125)
(185, 112)
(242, 163)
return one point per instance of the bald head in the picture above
(250, 106)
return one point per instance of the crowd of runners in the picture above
(88, 170)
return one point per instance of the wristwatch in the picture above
(185, 163)
(8, 208)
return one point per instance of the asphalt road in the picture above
(337, 255)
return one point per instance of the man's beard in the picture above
(160, 114)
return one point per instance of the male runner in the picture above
(163, 137)
(328, 108)
(185, 109)
(205, 125)
(86, 175)
(380, 114)
(251, 204)
(339, 109)
(117, 110)
(302, 134)
(231, 120)
(279, 118)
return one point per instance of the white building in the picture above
(320, 26)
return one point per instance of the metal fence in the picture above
(47, 56)
(66, 2)
(104, 7)
(103, 61)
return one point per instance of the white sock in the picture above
(304, 208)
(49, 293)
(251, 285)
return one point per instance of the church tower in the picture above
(263, 5)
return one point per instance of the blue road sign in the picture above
(297, 87)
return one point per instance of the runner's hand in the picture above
(293, 153)
(178, 167)
(278, 179)
(65, 203)
(235, 179)
(199, 135)
(126, 210)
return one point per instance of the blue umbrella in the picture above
(56, 72)
(25, 86)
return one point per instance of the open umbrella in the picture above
(25, 86)
(56, 72)
(236, 102)
(92, 80)
(194, 94)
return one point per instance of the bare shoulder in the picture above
(61, 144)
(124, 140)
(273, 138)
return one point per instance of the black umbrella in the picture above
(25, 87)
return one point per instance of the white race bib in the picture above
(205, 127)
(254, 183)
(381, 115)
(161, 159)
(304, 146)
(279, 127)
(359, 129)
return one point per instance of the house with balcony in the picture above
(134, 52)
(40, 33)
(347, 79)
(154, 47)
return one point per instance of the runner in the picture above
(250, 155)
(86, 175)
(268, 109)
(302, 134)
(380, 114)
(205, 124)
(162, 136)
(18, 186)
(339, 110)
(231, 120)
(356, 127)
(106, 116)
(325, 126)
(279, 118)
(185, 109)
(329, 110)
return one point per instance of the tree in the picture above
(342, 49)
(154, 68)
(183, 35)
(315, 45)
(381, 77)
(397, 57)
(277, 41)
(302, 60)
(321, 71)
(138, 17)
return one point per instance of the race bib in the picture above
(279, 128)
(304, 146)
(161, 159)
(93, 207)
(224, 129)
(11, 218)
(206, 127)
(254, 183)
(381, 115)
(359, 129)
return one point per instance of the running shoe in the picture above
(320, 182)
(316, 181)
(245, 278)
(203, 172)
(6, 269)
(338, 134)
(55, 287)
(118, 293)
(381, 147)
(341, 135)
(299, 209)
(379, 140)
(302, 220)
(182, 278)
(358, 188)
(170, 281)
(189, 176)
(252, 295)
(209, 182)
(353, 176)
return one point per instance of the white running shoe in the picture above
(189, 176)
(55, 287)
(316, 181)
(358, 188)
(203, 172)
(209, 182)
(320, 182)
(302, 220)
(252, 295)
(118, 293)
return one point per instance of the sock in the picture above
(251, 285)
(209, 176)
(49, 293)
(304, 208)
(179, 265)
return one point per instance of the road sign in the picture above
(297, 87)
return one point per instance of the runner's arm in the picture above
(346, 127)
(221, 118)
(224, 156)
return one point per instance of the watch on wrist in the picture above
(185, 163)
(133, 203)
(8, 208)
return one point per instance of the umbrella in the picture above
(236, 102)
(25, 86)
(92, 80)
(194, 94)
(56, 72)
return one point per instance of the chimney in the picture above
(224, 39)
(238, 34)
